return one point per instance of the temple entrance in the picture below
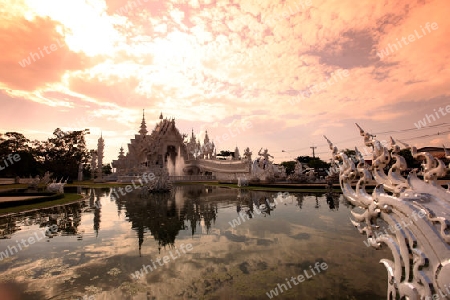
(192, 170)
(171, 154)
(174, 161)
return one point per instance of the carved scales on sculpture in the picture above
(416, 211)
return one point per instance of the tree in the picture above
(313, 162)
(289, 166)
(410, 160)
(60, 154)
(63, 153)
(106, 169)
(350, 153)
(304, 159)
(225, 153)
(14, 144)
(87, 172)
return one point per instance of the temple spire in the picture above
(206, 140)
(143, 130)
(121, 153)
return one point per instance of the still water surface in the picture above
(190, 249)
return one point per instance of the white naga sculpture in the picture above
(34, 183)
(417, 210)
(57, 187)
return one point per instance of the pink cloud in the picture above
(209, 64)
(39, 43)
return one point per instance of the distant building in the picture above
(437, 152)
(165, 147)
(159, 149)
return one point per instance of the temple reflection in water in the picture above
(163, 215)
(244, 238)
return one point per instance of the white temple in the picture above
(165, 147)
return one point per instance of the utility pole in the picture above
(314, 156)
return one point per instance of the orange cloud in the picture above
(208, 63)
(39, 44)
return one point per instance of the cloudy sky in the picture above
(272, 74)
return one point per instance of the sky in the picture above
(253, 73)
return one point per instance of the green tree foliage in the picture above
(60, 154)
(410, 160)
(12, 143)
(106, 169)
(87, 172)
(350, 153)
(313, 162)
(64, 152)
(289, 166)
(225, 153)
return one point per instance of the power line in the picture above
(428, 135)
(358, 138)
(411, 129)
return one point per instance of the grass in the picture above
(13, 186)
(68, 198)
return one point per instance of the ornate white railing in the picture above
(192, 178)
(226, 166)
(416, 211)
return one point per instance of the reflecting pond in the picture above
(198, 242)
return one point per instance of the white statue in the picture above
(262, 168)
(55, 187)
(263, 163)
(247, 155)
(421, 205)
(298, 168)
